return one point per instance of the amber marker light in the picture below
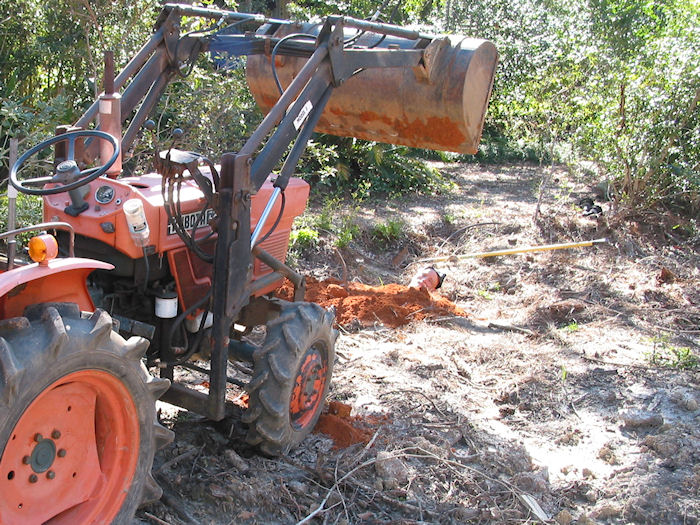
(43, 248)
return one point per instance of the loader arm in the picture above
(326, 61)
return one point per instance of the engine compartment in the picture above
(164, 266)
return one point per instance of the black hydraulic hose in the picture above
(293, 36)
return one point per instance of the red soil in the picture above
(393, 304)
(344, 429)
(341, 430)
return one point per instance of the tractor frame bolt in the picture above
(50, 474)
(26, 460)
(62, 453)
(55, 434)
(38, 437)
(33, 478)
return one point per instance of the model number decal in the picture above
(301, 117)
(190, 219)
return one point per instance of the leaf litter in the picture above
(458, 416)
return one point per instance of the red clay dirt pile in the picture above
(393, 304)
(346, 430)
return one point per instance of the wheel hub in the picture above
(43, 455)
(308, 388)
(69, 458)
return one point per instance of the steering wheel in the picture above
(67, 172)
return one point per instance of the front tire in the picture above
(78, 426)
(292, 375)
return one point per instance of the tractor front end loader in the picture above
(148, 272)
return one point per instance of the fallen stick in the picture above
(412, 509)
(170, 500)
(177, 459)
(514, 251)
(510, 328)
(155, 519)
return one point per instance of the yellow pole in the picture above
(543, 248)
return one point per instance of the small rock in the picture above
(235, 460)
(584, 520)
(606, 512)
(683, 399)
(640, 419)
(532, 481)
(297, 486)
(666, 276)
(592, 496)
(607, 455)
(389, 467)
(422, 445)
(587, 473)
(664, 446)
(564, 518)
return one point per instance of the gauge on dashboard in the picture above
(104, 194)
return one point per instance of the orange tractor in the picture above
(144, 272)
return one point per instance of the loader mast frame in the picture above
(292, 119)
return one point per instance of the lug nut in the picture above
(33, 478)
(26, 460)
(50, 474)
(55, 434)
(38, 437)
(62, 453)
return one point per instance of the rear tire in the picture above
(78, 426)
(292, 375)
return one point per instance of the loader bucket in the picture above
(438, 105)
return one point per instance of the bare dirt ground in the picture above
(566, 392)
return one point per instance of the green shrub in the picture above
(387, 232)
(303, 239)
(347, 232)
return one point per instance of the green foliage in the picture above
(573, 326)
(348, 231)
(368, 169)
(485, 294)
(668, 355)
(51, 60)
(214, 109)
(29, 212)
(612, 81)
(303, 239)
(387, 232)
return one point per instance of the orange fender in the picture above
(58, 281)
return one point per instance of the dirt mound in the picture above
(344, 429)
(393, 304)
